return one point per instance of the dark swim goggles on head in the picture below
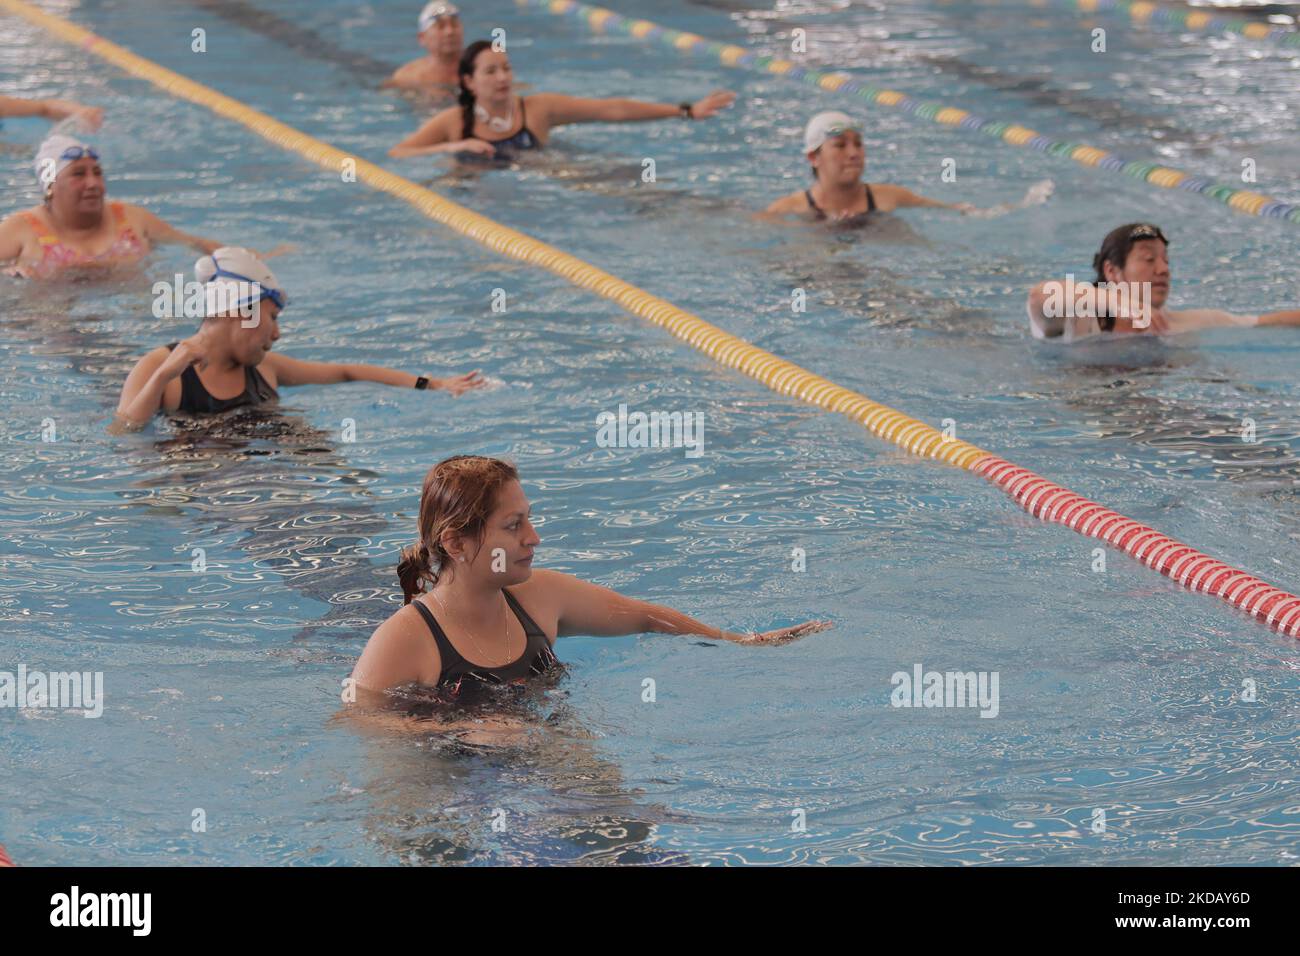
(278, 296)
(1146, 231)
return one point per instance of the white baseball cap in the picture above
(235, 278)
(435, 11)
(826, 126)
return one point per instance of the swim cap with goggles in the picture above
(57, 153)
(435, 11)
(235, 278)
(826, 126)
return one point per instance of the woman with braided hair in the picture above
(493, 121)
(487, 615)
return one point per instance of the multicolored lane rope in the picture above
(600, 20)
(1183, 19)
(1045, 500)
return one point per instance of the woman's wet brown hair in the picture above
(467, 63)
(459, 495)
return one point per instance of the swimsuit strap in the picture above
(126, 230)
(524, 128)
(449, 656)
(43, 234)
(812, 204)
(194, 396)
(530, 626)
(255, 383)
(871, 200)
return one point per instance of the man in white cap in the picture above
(74, 227)
(228, 362)
(441, 34)
(832, 143)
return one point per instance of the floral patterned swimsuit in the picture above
(57, 255)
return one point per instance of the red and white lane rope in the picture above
(1183, 563)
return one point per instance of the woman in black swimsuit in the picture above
(492, 121)
(489, 617)
(833, 146)
(228, 363)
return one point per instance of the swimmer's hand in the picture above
(460, 384)
(191, 351)
(491, 731)
(785, 635)
(480, 147)
(72, 115)
(717, 100)
(1036, 195)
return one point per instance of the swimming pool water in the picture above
(1119, 691)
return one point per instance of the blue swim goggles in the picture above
(278, 296)
(74, 153)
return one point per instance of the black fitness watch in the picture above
(422, 382)
(688, 110)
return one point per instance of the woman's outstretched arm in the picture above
(586, 608)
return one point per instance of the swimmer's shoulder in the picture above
(144, 369)
(448, 120)
(19, 222)
(793, 204)
(149, 362)
(889, 196)
(136, 214)
(408, 76)
(400, 651)
(144, 222)
(545, 595)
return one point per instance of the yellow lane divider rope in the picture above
(600, 20)
(1044, 499)
(1203, 21)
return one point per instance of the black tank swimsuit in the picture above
(508, 146)
(536, 659)
(196, 398)
(871, 205)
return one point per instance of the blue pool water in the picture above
(1118, 691)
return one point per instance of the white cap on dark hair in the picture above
(435, 11)
(826, 126)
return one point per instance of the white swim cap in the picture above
(235, 278)
(57, 153)
(826, 126)
(435, 11)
